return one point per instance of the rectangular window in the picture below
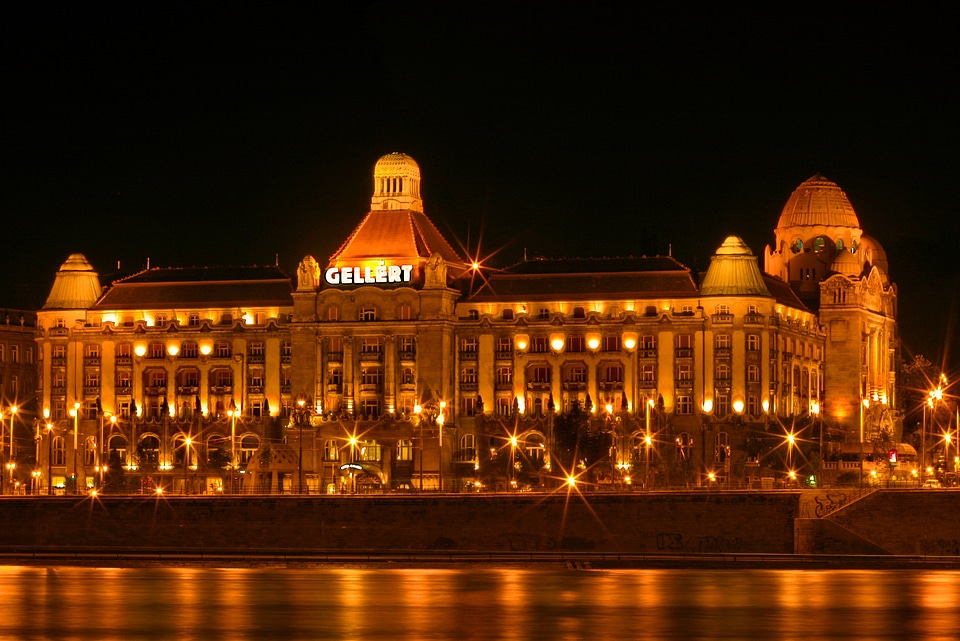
(368, 313)
(753, 405)
(577, 374)
(753, 374)
(222, 349)
(193, 320)
(370, 346)
(613, 373)
(540, 374)
(469, 406)
(684, 372)
(371, 376)
(684, 405)
(723, 341)
(256, 378)
(504, 375)
(14, 353)
(504, 406)
(468, 375)
(156, 350)
(648, 342)
(575, 343)
(504, 346)
(189, 350)
(723, 405)
(611, 343)
(256, 349)
(684, 341)
(469, 345)
(539, 345)
(91, 379)
(408, 346)
(647, 373)
(753, 342)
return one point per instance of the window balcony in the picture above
(470, 386)
(574, 386)
(684, 352)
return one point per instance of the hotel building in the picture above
(398, 364)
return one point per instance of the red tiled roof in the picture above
(200, 287)
(582, 279)
(396, 235)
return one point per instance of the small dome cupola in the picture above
(396, 183)
(76, 286)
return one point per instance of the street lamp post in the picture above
(46, 417)
(75, 413)
(440, 422)
(417, 410)
(301, 405)
(232, 413)
(11, 464)
(513, 458)
(353, 472)
(186, 463)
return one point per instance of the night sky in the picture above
(224, 135)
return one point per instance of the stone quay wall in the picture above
(648, 523)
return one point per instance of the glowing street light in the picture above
(75, 413)
(513, 455)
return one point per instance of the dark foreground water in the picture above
(67, 603)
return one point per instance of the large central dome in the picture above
(818, 202)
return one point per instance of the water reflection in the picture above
(68, 603)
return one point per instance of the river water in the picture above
(556, 604)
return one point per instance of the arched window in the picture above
(59, 451)
(90, 451)
(331, 450)
(117, 448)
(149, 450)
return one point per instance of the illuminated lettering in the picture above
(372, 274)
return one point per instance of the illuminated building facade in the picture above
(18, 377)
(400, 364)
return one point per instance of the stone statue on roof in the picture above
(308, 274)
(436, 271)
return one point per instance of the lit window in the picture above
(576, 343)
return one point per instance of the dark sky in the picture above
(235, 133)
